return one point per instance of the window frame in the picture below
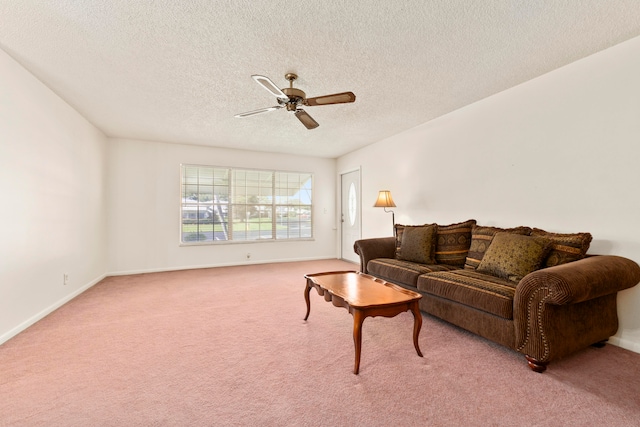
(274, 206)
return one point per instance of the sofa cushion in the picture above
(481, 238)
(402, 272)
(416, 243)
(469, 287)
(513, 256)
(452, 243)
(564, 247)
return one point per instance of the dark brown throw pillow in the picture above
(481, 238)
(399, 229)
(452, 243)
(564, 247)
(513, 256)
(418, 244)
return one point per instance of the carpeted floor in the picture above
(228, 347)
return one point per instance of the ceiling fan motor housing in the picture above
(295, 96)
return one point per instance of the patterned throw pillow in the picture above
(564, 247)
(399, 229)
(481, 238)
(513, 256)
(418, 244)
(452, 243)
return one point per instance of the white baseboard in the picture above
(626, 344)
(33, 319)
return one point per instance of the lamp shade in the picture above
(384, 200)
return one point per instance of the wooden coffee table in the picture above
(364, 296)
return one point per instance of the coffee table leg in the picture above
(417, 324)
(358, 318)
(307, 289)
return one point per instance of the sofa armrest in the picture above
(368, 249)
(578, 281)
(540, 295)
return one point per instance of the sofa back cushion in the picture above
(417, 244)
(452, 243)
(564, 247)
(481, 238)
(513, 256)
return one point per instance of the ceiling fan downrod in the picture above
(296, 96)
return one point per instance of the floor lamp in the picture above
(386, 201)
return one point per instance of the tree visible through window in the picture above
(227, 204)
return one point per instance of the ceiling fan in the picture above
(292, 98)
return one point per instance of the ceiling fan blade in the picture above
(270, 86)
(254, 112)
(306, 119)
(336, 98)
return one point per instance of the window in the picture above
(225, 204)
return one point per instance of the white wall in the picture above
(144, 208)
(52, 186)
(560, 153)
(78, 203)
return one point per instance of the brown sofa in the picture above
(535, 292)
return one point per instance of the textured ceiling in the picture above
(178, 71)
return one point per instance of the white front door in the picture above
(350, 214)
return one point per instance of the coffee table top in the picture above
(362, 290)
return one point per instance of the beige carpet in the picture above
(228, 347)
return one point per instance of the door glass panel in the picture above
(352, 204)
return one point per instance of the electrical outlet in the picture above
(65, 279)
